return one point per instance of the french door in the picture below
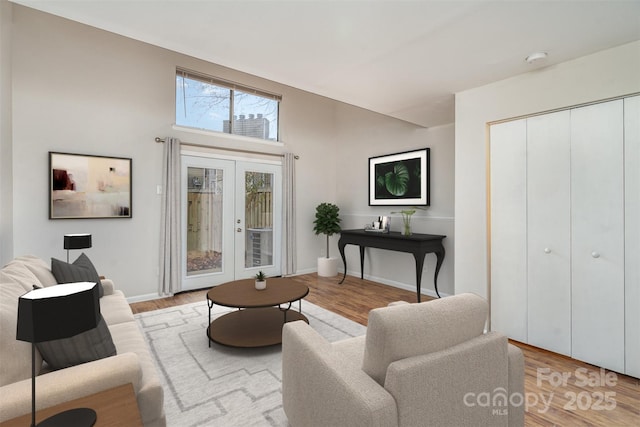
(231, 222)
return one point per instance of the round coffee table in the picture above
(259, 320)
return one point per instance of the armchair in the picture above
(421, 364)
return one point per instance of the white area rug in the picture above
(223, 386)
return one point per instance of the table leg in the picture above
(419, 265)
(344, 260)
(439, 260)
(210, 304)
(361, 262)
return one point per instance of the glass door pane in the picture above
(259, 209)
(204, 220)
(208, 203)
(258, 215)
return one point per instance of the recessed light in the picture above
(536, 56)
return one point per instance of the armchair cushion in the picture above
(452, 384)
(321, 387)
(407, 330)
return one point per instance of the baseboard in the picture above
(412, 288)
(395, 284)
(146, 297)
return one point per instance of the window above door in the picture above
(208, 103)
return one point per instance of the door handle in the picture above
(239, 230)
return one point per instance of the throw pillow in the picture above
(85, 347)
(82, 270)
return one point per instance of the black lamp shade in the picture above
(56, 312)
(77, 241)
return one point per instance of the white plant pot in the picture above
(327, 267)
(261, 284)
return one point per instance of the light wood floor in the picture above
(588, 396)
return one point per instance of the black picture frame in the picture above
(400, 179)
(84, 186)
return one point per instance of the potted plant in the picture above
(261, 281)
(327, 222)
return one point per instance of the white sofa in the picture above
(426, 364)
(133, 362)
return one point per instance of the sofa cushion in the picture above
(17, 272)
(115, 309)
(128, 338)
(407, 330)
(15, 356)
(39, 268)
(85, 347)
(82, 270)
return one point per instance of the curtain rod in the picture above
(238, 150)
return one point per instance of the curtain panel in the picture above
(170, 220)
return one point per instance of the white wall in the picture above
(6, 193)
(82, 90)
(361, 135)
(606, 74)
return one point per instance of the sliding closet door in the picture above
(548, 232)
(632, 234)
(509, 229)
(597, 230)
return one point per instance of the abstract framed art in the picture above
(400, 179)
(88, 186)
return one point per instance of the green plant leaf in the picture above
(397, 181)
(327, 220)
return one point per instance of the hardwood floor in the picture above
(559, 390)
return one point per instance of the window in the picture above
(204, 102)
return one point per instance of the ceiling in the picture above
(404, 59)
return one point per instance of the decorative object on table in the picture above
(53, 313)
(400, 179)
(406, 220)
(382, 225)
(87, 186)
(261, 281)
(327, 222)
(76, 241)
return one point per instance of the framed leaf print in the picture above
(400, 179)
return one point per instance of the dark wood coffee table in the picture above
(260, 316)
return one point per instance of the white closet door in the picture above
(508, 229)
(549, 225)
(632, 235)
(597, 218)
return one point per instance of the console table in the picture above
(417, 244)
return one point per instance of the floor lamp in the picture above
(76, 241)
(52, 313)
